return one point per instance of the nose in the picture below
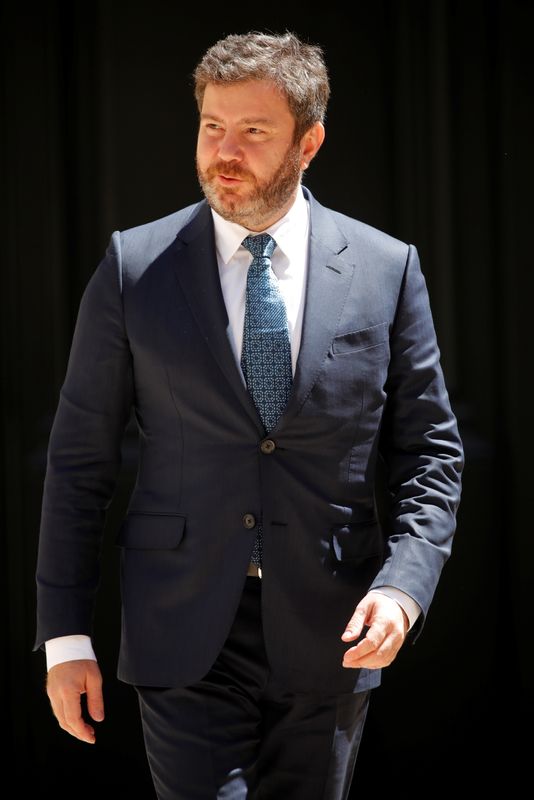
(229, 148)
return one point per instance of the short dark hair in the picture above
(296, 68)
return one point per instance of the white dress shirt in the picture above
(290, 265)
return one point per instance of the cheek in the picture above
(205, 152)
(277, 159)
(263, 165)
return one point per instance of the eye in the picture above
(254, 131)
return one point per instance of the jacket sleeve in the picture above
(84, 456)
(421, 449)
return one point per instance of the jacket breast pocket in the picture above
(362, 339)
(151, 531)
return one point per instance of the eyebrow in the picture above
(244, 121)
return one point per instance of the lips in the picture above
(229, 178)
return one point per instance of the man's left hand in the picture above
(387, 628)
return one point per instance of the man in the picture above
(272, 351)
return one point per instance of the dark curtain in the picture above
(429, 137)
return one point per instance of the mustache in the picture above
(221, 168)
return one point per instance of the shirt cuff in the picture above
(407, 603)
(68, 648)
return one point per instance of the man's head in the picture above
(262, 101)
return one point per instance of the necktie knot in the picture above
(261, 246)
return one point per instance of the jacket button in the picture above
(249, 521)
(267, 447)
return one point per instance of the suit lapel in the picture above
(195, 266)
(328, 282)
(327, 287)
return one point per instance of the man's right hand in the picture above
(65, 685)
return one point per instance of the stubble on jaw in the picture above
(265, 199)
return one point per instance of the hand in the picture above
(65, 684)
(388, 626)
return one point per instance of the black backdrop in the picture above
(429, 136)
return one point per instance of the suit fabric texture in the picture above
(151, 336)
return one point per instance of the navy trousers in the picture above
(236, 734)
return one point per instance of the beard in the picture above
(257, 209)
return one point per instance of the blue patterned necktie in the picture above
(266, 352)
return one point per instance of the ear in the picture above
(310, 143)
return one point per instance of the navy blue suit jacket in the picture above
(152, 335)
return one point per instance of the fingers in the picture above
(95, 699)
(377, 650)
(68, 712)
(384, 637)
(65, 685)
(73, 722)
(357, 621)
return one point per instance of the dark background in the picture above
(429, 137)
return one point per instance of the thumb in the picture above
(356, 623)
(95, 699)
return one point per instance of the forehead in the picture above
(245, 100)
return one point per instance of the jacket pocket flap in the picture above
(357, 541)
(361, 339)
(151, 531)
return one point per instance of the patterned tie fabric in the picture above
(266, 353)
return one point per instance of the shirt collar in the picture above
(291, 228)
